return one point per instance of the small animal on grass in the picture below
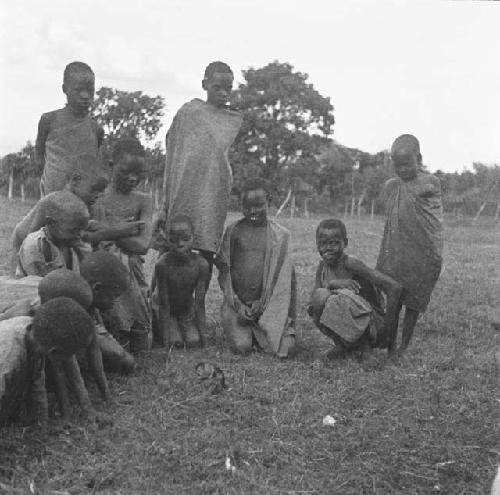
(412, 244)
(69, 139)
(257, 278)
(213, 375)
(346, 303)
(181, 277)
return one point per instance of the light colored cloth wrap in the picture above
(412, 245)
(198, 179)
(279, 288)
(67, 148)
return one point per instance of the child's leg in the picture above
(409, 323)
(240, 337)
(188, 327)
(172, 336)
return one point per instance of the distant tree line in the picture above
(286, 137)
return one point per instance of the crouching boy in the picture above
(346, 304)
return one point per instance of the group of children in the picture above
(86, 240)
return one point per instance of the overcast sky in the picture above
(389, 67)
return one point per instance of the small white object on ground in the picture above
(229, 465)
(329, 420)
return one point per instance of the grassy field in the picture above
(426, 425)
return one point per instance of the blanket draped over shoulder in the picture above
(197, 179)
(67, 148)
(278, 297)
(411, 249)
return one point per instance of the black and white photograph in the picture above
(250, 247)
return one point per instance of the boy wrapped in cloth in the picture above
(411, 248)
(257, 278)
(198, 178)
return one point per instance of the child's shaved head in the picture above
(75, 68)
(255, 184)
(330, 224)
(64, 205)
(101, 267)
(182, 219)
(65, 283)
(127, 146)
(406, 143)
(62, 326)
(214, 67)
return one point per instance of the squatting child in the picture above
(69, 139)
(346, 304)
(179, 275)
(411, 248)
(257, 278)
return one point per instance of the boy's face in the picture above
(181, 239)
(128, 172)
(104, 296)
(67, 230)
(88, 190)
(218, 87)
(79, 90)
(255, 206)
(331, 244)
(405, 163)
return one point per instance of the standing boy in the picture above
(68, 139)
(257, 278)
(198, 178)
(345, 303)
(179, 274)
(411, 249)
(126, 226)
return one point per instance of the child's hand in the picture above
(344, 283)
(256, 310)
(132, 227)
(95, 226)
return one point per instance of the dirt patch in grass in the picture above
(428, 424)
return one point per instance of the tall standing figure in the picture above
(69, 139)
(411, 249)
(198, 177)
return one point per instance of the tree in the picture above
(285, 120)
(123, 113)
(19, 171)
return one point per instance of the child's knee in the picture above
(318, 301)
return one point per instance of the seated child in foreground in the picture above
(412, 245)
(55, 245)
(69, 137)
(59, 329)
(345, 303)
(126, 227)
(180, 273)
(85, 186)
(257, 278)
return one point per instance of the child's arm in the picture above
(98, 232)
(199, 295)
(139, 244)
(38, 402)
(428, 186)
(164, 316)
(94, 356)
(389, 286)
(74, 376)
(41, 138)
(317, 285)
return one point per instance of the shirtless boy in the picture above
(345, 303)
(181, 277)
(55, 245)
(68, 139)
(411, 248)
(197, 180)
(257, 278)
(125, 230)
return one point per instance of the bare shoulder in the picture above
(201, 263)
(355, 265)
(161, 265)
(47, 119)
